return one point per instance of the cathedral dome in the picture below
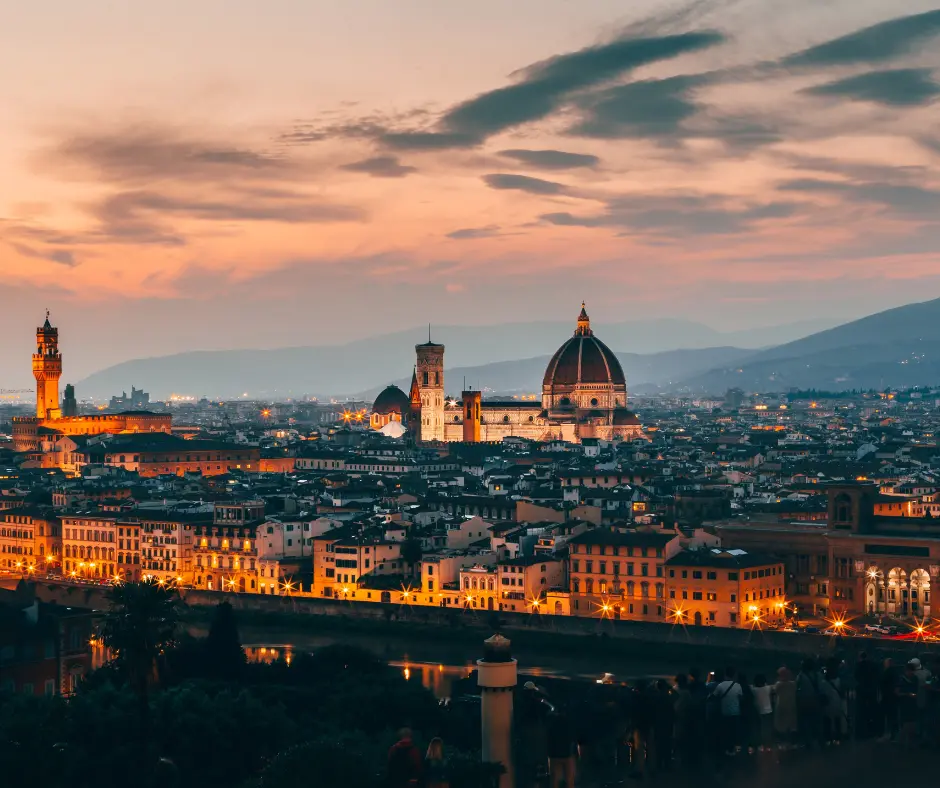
(583, 359)
(391, 400)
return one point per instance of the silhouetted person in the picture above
(889, 701)
(694, 748)
(663, 725)
(561, 750)
(727, 698)
(809, 704)
(404, 762)
(866, 697)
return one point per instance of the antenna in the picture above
(429, 333)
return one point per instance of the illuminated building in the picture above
(19, 551)
(129, 566)
(47, 369)
(524, 582)
(584, 395)
(89, 545)
(727, 588)
(856, 562)
(157, 454)
(620, 574)
(225, 551)
(429, 372)
(41, 433)
(166, 545)
(392, 404)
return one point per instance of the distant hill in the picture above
(325, 370)
(897, 347)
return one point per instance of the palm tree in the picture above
(139, 628)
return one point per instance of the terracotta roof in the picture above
(583, 359)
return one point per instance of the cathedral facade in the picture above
(584, 395)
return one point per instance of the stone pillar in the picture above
(496, 676)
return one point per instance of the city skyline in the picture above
(735, 163)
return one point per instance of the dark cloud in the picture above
(876, 44)
(551, 159)
(523, 183)
(681, 215)
(905, 200)
(381, 167)
(894, 87)
(60, 256)
(124, 210)
(543, 88)
(144, 153)
(649, 108)
(475, 232)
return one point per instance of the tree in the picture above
(140, 628)
(411, 552)
(223, 646)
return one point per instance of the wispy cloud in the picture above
(467, 233)
(874, 44)
(523, 183)
(551, 159)
(893, 87)
(381, 167)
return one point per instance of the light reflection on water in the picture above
(440, 677)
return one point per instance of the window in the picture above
(49, 687)
(711, 596)
(732, 575)
(712, 576)
(697, 596)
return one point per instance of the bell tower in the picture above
(47, 369)
(430, 377)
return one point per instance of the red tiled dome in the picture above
(391, 400)
(583, 359)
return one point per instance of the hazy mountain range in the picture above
(349, 369)
(898, 347)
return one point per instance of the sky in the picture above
(237, 173)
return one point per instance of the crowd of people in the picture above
(700, 722)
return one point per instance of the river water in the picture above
(438, 664)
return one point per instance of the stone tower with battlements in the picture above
(430, 378)
(47, 369)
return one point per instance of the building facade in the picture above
(856, 562)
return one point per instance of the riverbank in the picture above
(578, 646)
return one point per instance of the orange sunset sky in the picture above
(232, 173)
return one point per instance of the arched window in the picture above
(589, 586)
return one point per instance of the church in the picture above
(54, 421)
(584, 395)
